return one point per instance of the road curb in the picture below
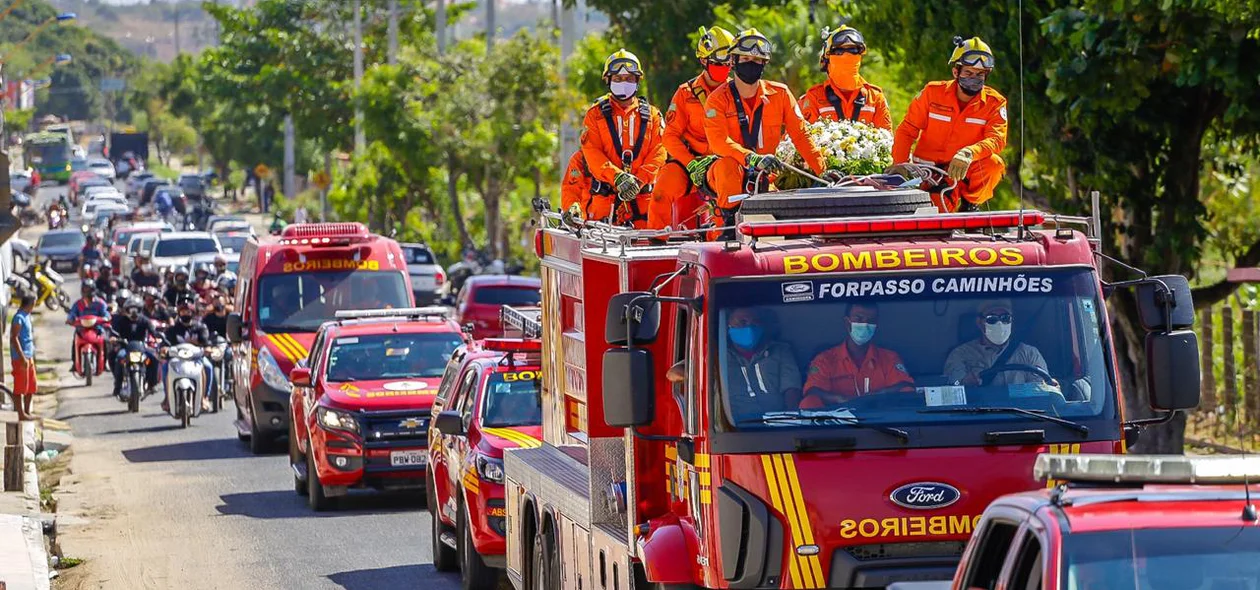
(26, 530)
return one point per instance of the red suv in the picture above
(488, 402)
(360, 402)
(482, 296)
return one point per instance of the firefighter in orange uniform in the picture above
(857, 366)
(960, 126)
(744, 123)
(845, 95)
(575, 191)
(621, 142)
(677, 197)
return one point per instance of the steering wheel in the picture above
(988, 373)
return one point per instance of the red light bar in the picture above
(883, 225)
(324, 234)
(511, 345)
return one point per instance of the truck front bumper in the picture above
(366, 459)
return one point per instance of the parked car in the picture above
(482, 297)
(427, 276)
(177, 248)
(61, 248)
(103, 167)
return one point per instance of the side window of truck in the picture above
(986, 564)
(448, 383)
(468, 395)
(1026, 575)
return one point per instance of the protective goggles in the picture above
(624, 66)
(851, 36)
(995, 318)
(752, 47)
(719, 56)
(854, 49)
(977, 59)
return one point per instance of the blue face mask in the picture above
(861, 333)
(745, 337)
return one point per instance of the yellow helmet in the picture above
(971, 52)
(837, 38)
(622, 62)
(714, 44)
(752, 43)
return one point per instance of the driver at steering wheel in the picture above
(857, 367)
(966, 364)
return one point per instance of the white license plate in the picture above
(408, 458)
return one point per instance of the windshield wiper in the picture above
(836, 417)
(1040, 415)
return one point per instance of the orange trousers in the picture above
(977, 187)
(676, 202)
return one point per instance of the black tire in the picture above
(315, 497)
(476, 574)
(133, 400)
(216, 402)
(86, 364)
(445, 559)
(295, 455)
(259, 443)
(185, 412)
(835, 202)
(541, 574)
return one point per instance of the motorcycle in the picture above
(133, 370)
(222, 374)
(45, 284)
(185, 382)
(56, 218)
(88, 272)
(89, 347)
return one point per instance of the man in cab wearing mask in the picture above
(993, 348)
(845, 96)
(958, 125)
(761, 374)
(857, 367)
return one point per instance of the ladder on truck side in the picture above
(521, 322)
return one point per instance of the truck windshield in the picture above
(49, 154)
(391, 356)
(997, 349)
(301, 301)
(1163, 559)
(512, 399)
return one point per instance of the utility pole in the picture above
(570, 32)
(392, 57)
(360, 141)
(289, 159)
(489, 27)
(175, 12)
(441, 26)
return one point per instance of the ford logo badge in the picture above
(925, 495)
(797, 287)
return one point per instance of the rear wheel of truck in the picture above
(315, 497)
(445, 559)
(542, 570)
(476, 574)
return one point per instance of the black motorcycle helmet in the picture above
(88, 290)
(180, 271)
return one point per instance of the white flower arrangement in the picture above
(853, 148)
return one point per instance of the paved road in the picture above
(151, 505)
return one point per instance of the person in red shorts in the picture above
(856, 367)
(22, 352)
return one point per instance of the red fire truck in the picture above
(705, 426)
(288, 287)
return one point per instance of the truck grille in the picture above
(900, 550)
(392, 429)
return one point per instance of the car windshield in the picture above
(185, 246)
(1162, 559)
(391, 356)
(59, 240)
(301, 301)
(995, 352)
(415, 255)
(512, 399)
(78, 164)
(232, 243)
(504, 295)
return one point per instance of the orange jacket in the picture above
(780, 113)
(942, 126)
(815, 106)
(684, 121)
(601, 154)
(575, 188)
(835, 372)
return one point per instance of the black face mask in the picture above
(749, 72)
(185, 319)
(970, 85)
(133, 314)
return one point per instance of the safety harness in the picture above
(753, 182)
(628, 156)
(836, 103)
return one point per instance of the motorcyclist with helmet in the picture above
(88, 304)
(134, 326)
(154, 307)
(179, 291)
(189, 329)
(143, 275)
(202, 283)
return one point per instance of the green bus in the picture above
(49, 153)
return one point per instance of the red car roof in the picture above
(369, 327)
(1152, 506)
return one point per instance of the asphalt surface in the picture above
(151, 505)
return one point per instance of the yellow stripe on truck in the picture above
(520, 438)
(785, 494)
(772, 484)
(789, 463)
(297, 346)
(283, 346)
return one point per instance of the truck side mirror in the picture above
(636, 314)
(449, 423)
(235, 328)
(1164, 303)
(1172, 370)
(300, 377)
(628, 387)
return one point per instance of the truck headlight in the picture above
(271, 373)
(490, 469)
(336, 419)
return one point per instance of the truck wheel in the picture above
(476, 574)
(295, 457)
(445, 559)
(542, 576)
(315, 497)
(259, 443)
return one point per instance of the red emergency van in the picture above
(288, 286)
(488, 402)
(360, 406)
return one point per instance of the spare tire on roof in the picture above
(824, 202)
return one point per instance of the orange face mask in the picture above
(842, 70)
